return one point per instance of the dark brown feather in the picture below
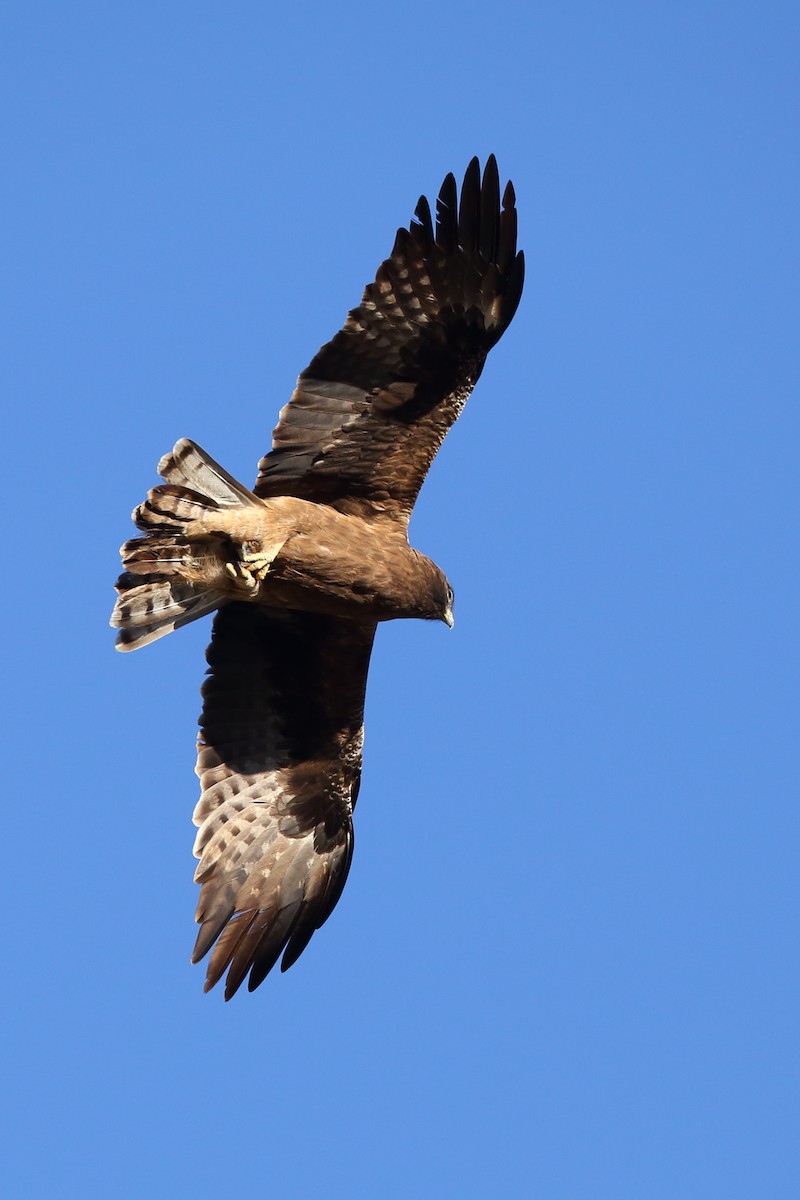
(489, 210)
(447, 215)
(422, 216)
(469, 213)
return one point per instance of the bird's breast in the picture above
(345, 566)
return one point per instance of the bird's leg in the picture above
(249, 569)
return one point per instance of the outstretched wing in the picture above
(371, 410)
(279, 760)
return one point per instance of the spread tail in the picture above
(176, 573)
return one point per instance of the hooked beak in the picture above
(449, 620)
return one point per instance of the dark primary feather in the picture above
(372, 408)
(279, 760)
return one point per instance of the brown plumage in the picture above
(303, 568)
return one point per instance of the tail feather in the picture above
(145, 612)
(194, 485)
(170, 574)
(145, 556)
(170, 508)
(187, 466)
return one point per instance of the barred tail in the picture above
(170, 573)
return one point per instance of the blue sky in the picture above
(565, 963)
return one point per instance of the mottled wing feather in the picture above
(279, 760)
(372, 408)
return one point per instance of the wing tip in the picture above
(477, 219)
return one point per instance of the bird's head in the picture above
(447, 615)
(443, 601)
(433, 598)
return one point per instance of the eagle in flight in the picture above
(301, 570)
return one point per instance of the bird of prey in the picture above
(302, 569)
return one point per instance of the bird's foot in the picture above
(249, 570)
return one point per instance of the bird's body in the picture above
(303, 568)
(290, 553)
